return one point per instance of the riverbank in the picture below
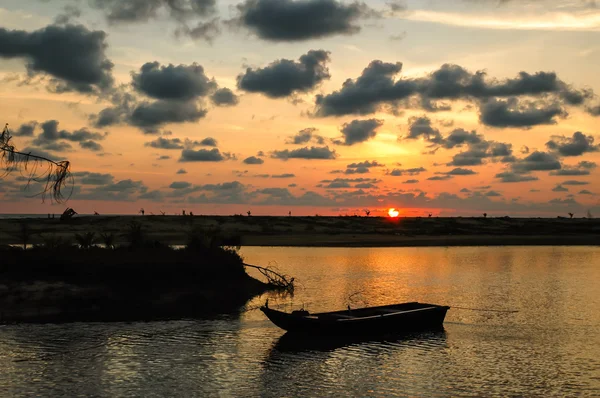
(317, 231)
(67, 283)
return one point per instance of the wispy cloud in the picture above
(582, 21)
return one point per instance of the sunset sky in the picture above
(450, 107)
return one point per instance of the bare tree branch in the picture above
(54, 175)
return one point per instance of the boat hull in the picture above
(371, 321)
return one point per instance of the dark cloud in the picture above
(585, 192)
(89, 178)
(574, 146)
(296, 20)
(515, 113)
(514, 177)
(203, 30)
(408, 172)
(180, 185)
(204, 155)
(51, 138)
(127, 11)
(285, 175)
(420, 127)
(285, 77)
(411, 182)
(440, 178)
(26, 129)
(358, 131)
(537, 161)
(149, 116)
(480, 149)
(181, 82)
(208, 141)
(305, 136)
(459, 137)
(224, 97)
(574, 182)
(560, 188)
(91, 145)
(166, 143)
(377, 89)
(181, 171)
(593, 110)
(72, 55)
(361, 167)
(305, 153)
(253, 160)
(492, 194)
(70, 12)
(460, 172)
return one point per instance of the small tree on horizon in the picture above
(484, 215)
(367, 212)
(571, 215)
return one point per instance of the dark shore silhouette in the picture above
(323, 231)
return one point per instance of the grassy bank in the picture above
(138, 281)
(323, 231)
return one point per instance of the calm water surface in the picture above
(549, 347)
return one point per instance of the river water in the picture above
(542, 340)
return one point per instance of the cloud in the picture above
(358, 131)
(492, 194)
(124, 190)
(285, 77)
(585, 192)
(420, 127)
(515, 113)
(581, 169)
(165, 143)
(440, 178)
(149, 116)
(305, 136)
(360, 167)
(508, 177)
(536, 161)
(73, 56)
(285, 175)
(136, 11)
(296, 20)
(50, 138)
(378, 89)
(180, 185)
(181, 82)
(411, 182)
(208, 141)
(459, 137)
(410, 172)
(89, 178)
(224, 97)
(305, 153)
(574, 182)
(91, 145)
(25, 129)
(253, 160)
(574, 146)
(69, 12)
(204, 155)
(461, 172)
(181, 171)
(560, 188)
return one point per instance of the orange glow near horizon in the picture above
(393, 213)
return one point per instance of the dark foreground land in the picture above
(322, 231)
(140, 280)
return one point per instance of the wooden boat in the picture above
(385, 319)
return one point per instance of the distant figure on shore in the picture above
(192, 213)
(183, 212)
(142, 211)
(289, 213)
(484, 215)
(249, 213)
(571, 215)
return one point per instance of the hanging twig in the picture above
(279, 281)
(54, 176)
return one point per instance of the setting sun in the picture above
(393, 213)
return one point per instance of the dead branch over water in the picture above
(54, 176)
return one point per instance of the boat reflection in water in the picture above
(294, 342)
